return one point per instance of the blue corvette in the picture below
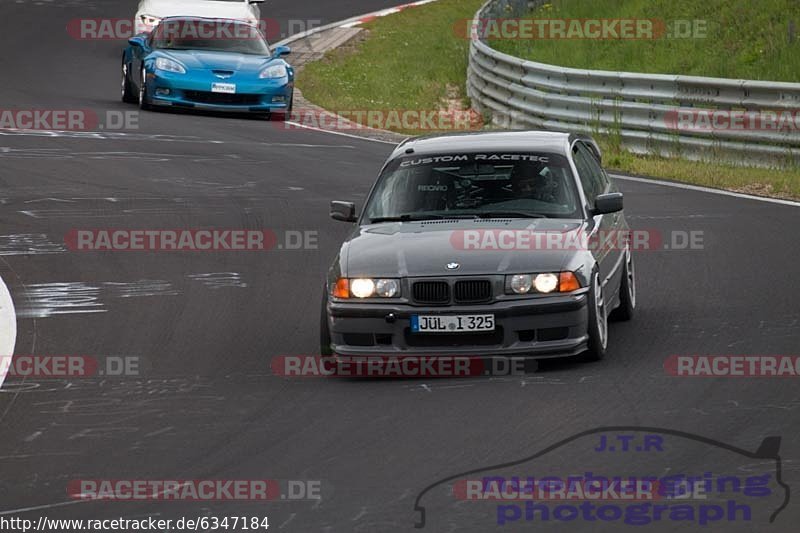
(207, 64)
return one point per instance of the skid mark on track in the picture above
(219, 280)
(42, 300)
(212, 203)
(29, 244)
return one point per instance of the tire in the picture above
(627, 291)
(144, 105)
(128, 95)
(598, 322)
(324, 329)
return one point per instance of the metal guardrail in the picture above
(640, 108)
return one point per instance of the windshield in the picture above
(210, 35)
(470, 185)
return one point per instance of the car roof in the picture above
(511, 141)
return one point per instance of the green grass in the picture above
(745, 39)
(407, 63)
(413, 60)
(784, 183)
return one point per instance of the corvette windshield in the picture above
(473, 185)
(211, 36)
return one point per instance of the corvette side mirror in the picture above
(139, 41)
(281, 51)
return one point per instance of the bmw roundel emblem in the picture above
(453, 266)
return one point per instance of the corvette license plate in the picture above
(451, 324)
(227, 88)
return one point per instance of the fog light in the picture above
(278, 99)
(162, 92)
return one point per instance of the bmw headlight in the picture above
(521, 283)
(544, 283)
(275, 71)
(168, 65)
(367, 288)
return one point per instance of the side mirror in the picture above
(607, 203)
(344, 211)
(139, 40)
(281, 51)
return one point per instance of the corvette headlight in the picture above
(367, 288)
(162, 63)
(149, 20)
(275, 71)
(542, 283)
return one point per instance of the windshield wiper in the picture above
(508, 214)
(409, 217)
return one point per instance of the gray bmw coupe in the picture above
(482, 244)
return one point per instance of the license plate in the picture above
(451, 324)
(227, 88)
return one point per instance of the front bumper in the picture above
(194, 92)
(552, 326)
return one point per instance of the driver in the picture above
(534, 183)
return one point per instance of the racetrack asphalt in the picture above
(206, 325)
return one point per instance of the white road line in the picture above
(40, 507)
(8, 330)
(711, 190)
(341, 133)
(340, 24)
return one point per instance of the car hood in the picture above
(195, 8)
(199, 59)
(425, 248)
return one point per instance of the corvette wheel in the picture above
(627, 290)
(143, 103)
(598, 322)
(127, 92)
